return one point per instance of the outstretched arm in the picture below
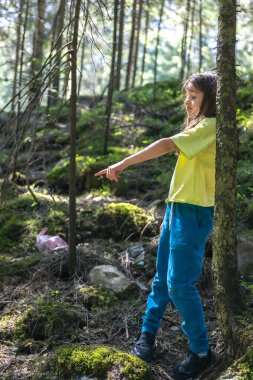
(156, 149)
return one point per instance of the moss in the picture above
(47, 317)
(92, 297)
(10, 326)
(123, 220)
(91, 117)
(99, 362)
(249, 214)
(58, 177)
(3, 158)
(166, 94)
(244, 366)
(59, 112)
(244, 96)
(21, 219)
(10, 267)
(87, 166)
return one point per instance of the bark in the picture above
(86, 17)
(146, 41)
(136, 45)
(20, 77)
(58, 37)
(200, 34)
(38, 45)
(226, 280)
(108, 110)
(120, 45)
(69, 31)
(157, 46)
(72, 165)
(17, 61)
(131, 47)
(184, 42)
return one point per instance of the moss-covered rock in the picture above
(92, 297)
(47, 317)
(58, 177)
(124, 220)
(86, 167)
(102, 363)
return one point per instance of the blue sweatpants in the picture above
(178, 267)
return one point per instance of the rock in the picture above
(110, 278)
(87, 362)
(245, 257)
(122, 221)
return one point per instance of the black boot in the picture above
(143, 346)
(192, 366)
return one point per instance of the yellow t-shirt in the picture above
(193, 180)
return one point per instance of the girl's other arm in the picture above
(154, 150)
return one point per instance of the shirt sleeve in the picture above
(192, 141)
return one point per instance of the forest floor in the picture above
(113, 324)
(42, 284)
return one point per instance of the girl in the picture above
(187, 223)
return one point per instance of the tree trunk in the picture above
(226, 280)
(108, 110)
(20, 77)
(69, 31)
(157, 47)
(146, 42)
(17, 61)
(120, 45)
(136, 45)
(38, 46)
(58, 37)
(72, 164)
(84, 45)
(200, 34)
(131, 47)
(184, 42)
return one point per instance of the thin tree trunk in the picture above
(200, 34)
(50, 94)
(17, 61)
(226, 280)
(38, 45)
(191, 38)
(157, 46)
(136, 45)
(108, 110)
(84, 45)
(120, 45)
(68, 68)
(20, 77)
(131, 47)
(72, 164)
(58, 36)
(146, 42)
(184, 41)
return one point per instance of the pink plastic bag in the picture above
(49, 243)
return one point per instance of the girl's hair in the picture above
(207, 83)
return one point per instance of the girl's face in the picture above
(193, 100)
